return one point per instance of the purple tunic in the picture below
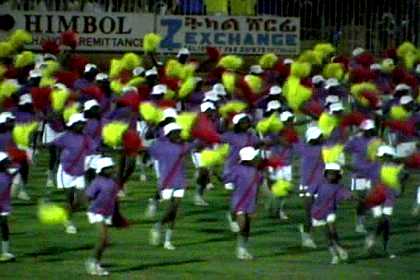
(82, 83)
(362, 166)
(246, 180)
(74, 149)
(194, 100)
(328, 196)
(93, 129)
(5, 185)
(170, 157)
(103, 193)
(284, 152)
(6, 141)
(311, 164)
(24, 117)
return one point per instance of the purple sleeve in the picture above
(313, 190)
(154, 149)
(92, 190)
(60, 141)
(343, 194)
(349, 147)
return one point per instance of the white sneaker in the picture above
(342, 253)
(50, 183)
(370, 242)
(151, 209)
(209, 186)
(23, 195)
(71, 229)
(234, 227)
(199, 201)
(243, 254)
(283, 216)
(100, 271)
(308, 242)
(121, 194)
(168, 246)
(335, 260)
(143, 178)
(5, 257)
(229, 186)
(360, 228)
(90, 265)
(154, 237)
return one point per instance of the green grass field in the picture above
(205, 246)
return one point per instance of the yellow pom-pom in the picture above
(22, 134)
(271, 124)
(325, 49)
(59, 98)
(7, 88)
(410, 60)
(229, 81)
(188, 71)
(254, 82)
(186, 121)
(20, 37)
(24, 59)
(331, 154)
(406, 48)
(231, 62)
(169, 95)
(296, 94)
(333, 70)
(131, 61)
(117, 66)
(357, 89)
(70, 110)
(150, 113)
(116, 87)
(6, 49)
(52, 214)
(47, 82)
(214, 157)
(300, 69)
(387, 66)
(327, 123)
(268, 60)
(232, 107)
(113, 132)
(310, 56)
(51, 68)
(137, 81)
(390, 175)
(151, 42)
(187, 87)
(281, 188)
(174, 69)
(372, 148)
(399, 113)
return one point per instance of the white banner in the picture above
(105, 31)
(240, 35)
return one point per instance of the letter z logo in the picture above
(173, 26)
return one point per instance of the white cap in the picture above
(389, 61)
(159, 89)
(138, 71)
(151, 71)
(286, 115)
(127, 89)
(204, 107)
(375, 66)
(417, 69)
(40, 65)
(25, 99)
(402, 87)
(3, 156)
(406, 99)
(256, 69)
(358, 51)
(332, 166)
(89, 67)
(275, 90)
(312, 133)
(385, 150)
(317, 79)
(238, 117)
(169, 113)
(101, 77)
(90, 104)
(75, 118)
(183, 51)
(219, 89)
(273, 105)
(5, 116)
(49, 56)
(367, 124)
(248, 153)
(331, 82)
(211, 96)
(35, 73)
(336, 107)
(171, 127)
(332, 99)
(103, 163)
(288, 61)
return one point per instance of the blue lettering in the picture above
(173, 26)
(190, 38)
(249, 40)
(205, 39)
(218, 39)
(291, 40)
(263, 39)
(234, 39)
(277, 39)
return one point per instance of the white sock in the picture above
(158, 226)
(168, 235)
(418, 195)
(5, 247)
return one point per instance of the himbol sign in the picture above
(243, 35)
(105, 31)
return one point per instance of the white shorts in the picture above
(281, 173)
(360, 184)
(98, 218)
(50, 134)
(318, 223)
(406, 149)
(196, 160)
(167, 194)
(91, 160)
(66, 181)
(380, 210)
(4, 213)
